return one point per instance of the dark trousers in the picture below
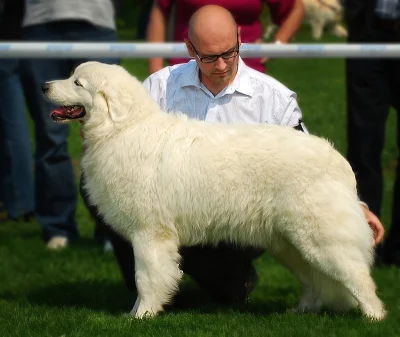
(16, 159)
(55, 183)
(373, 86)
(224, 271)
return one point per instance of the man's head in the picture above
(215, 38)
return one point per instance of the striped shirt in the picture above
(252, 98)
(388, 9)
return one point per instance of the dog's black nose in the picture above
(45, 87)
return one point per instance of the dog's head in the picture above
(96, 92)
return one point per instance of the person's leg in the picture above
(56, 193)
(226, 272)
(392, 241)
(368, 101)
(17, 162)
(80, 31)
(84, 31)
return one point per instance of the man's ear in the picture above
(118, 103)
(239, 35)
(189, 47)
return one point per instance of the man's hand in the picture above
(375, 224)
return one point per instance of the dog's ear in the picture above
(118, 103)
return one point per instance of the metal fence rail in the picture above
(146, 50)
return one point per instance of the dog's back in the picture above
(224, 168)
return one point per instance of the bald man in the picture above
(218, 87)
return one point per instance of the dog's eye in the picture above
(76, 82)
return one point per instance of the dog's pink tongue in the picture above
(60, 111)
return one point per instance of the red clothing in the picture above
(247, 14)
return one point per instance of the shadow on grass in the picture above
(93, 295)
(115, 299)
(191, 298)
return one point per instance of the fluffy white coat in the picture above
(162, 181)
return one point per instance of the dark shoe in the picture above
(29, 216)
(25, 217)
(237, 291)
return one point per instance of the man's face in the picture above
(217, 61)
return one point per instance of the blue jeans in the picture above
(56, 190)
(16, 181)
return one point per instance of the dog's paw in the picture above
(141, 311)
(303, 308)
(136, 315)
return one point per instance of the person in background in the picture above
(16, 158)
(67, 21)
(287, 14)
(218, 87)
(373, 86)
(143, 18)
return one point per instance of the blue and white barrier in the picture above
(146, 50)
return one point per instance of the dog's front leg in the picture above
(156, 271)
(317, 28)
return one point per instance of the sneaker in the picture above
(108, 247)
(57, 243)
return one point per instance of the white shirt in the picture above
(252, 98)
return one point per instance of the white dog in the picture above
(163, 180)
(321, 15)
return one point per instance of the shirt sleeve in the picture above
(291, 114)
(156, 89)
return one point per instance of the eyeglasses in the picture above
(212, 58)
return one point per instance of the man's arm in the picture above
(291, 24)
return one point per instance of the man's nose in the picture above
(220, 63)
(45, 87)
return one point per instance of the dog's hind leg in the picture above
(355, 277)
(341, 264)
(335, 295)
(289, 256)
(343, 255)
(338, 30)
(156, 271)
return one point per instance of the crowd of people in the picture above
(226, 89)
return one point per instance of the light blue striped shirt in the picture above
(252, 98)
(388, 9)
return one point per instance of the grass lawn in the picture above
(79, 291)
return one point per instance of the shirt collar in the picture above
(241, 83)
(192, 78)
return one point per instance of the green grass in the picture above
(79, 291)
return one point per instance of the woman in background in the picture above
(286, 14)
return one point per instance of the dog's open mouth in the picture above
(64, 113)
